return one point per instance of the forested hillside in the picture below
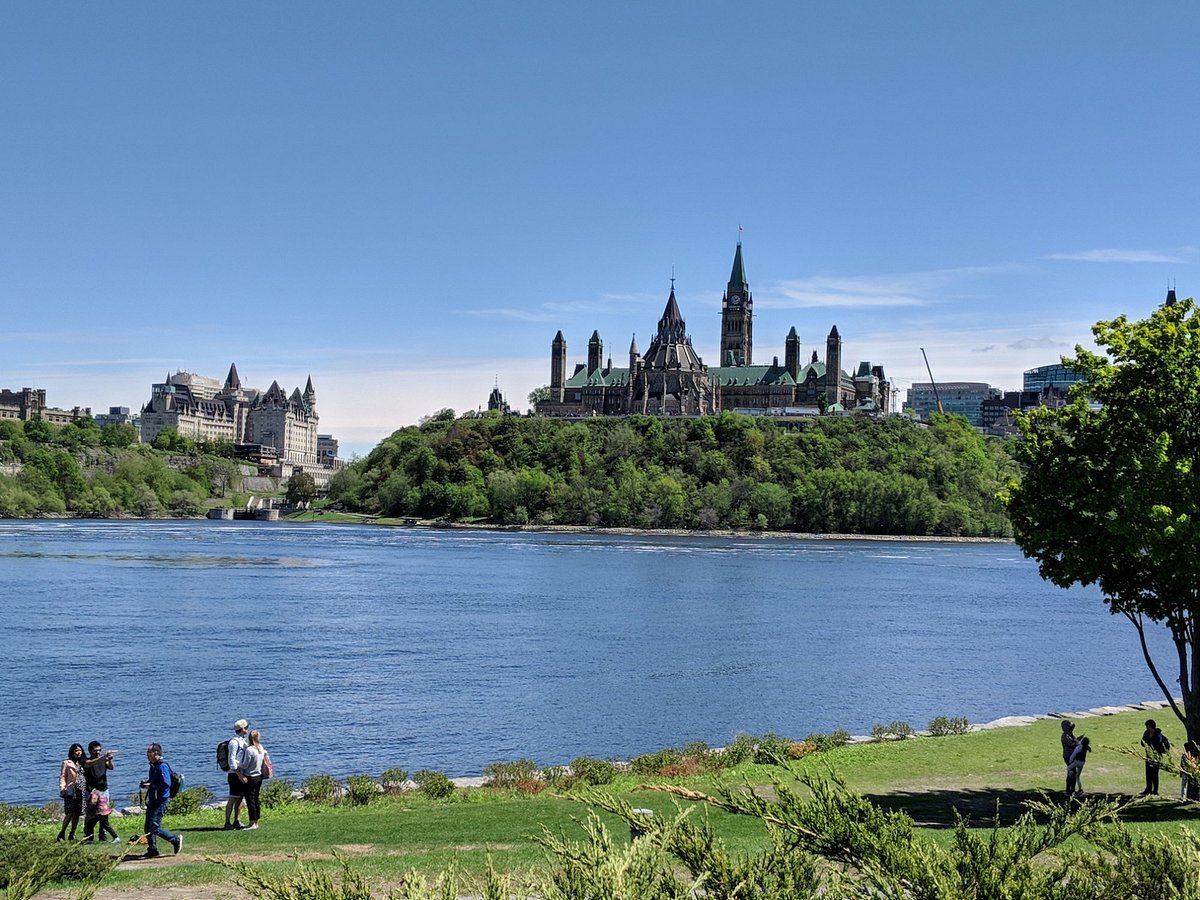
(84, 470)
(834, 474)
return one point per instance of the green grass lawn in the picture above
(929, 778)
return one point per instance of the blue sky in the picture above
(406, 201)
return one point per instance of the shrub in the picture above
(277, 793)
(772, 749)
(189, 800)
(28, 816)
(940, 726)
(654, 763)
(361, 789)
(799, 749)
(393, 780)
(822, 742)
(321, 788)
(28, 861)
(594, 771)
(509, 774)
(434, 784)
(697, 749)
(685, 768)
(560, 778)
(740, 751)
(896, 731)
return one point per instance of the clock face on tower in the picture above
(735, 300)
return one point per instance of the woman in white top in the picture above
(256, 755)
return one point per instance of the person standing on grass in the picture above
(72, 785)
(237, 779)
(99, 806)
(1157, 746)
(1075, 766)
(1068, 747)
(158, 792)
(1189, 772)
(256, 755)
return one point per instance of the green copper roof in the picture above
(734, 375)
(597, 378)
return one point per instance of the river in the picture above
(360, 648)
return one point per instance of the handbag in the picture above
(267, 769)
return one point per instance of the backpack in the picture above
(223, 756)
(1161, 744)
(176, 782)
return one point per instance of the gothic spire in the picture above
(232, 382)
(737, 277)
(671, 326)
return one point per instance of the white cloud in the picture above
(1114, 255)
(1042, 343)
(862, 291)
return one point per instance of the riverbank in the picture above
(341, 518)
(996, 769)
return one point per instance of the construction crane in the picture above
(936, 398)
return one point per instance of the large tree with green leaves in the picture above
(1110, 493)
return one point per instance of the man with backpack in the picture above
(1158, 746)
(236, 760)
(158, 792)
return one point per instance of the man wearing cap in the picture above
(238, 760)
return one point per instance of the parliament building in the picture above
(672, 380)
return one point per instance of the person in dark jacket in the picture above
(1156, 745)
(1068, 747)
(158, 792)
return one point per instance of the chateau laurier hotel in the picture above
(672, 380)
(203, 408)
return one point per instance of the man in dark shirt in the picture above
(95, 774)
(1156, 745)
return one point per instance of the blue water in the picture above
(359, 648)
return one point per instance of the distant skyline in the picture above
(408, 201)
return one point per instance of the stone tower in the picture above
(558, 367)
(833, 366)
(595, 352)
(310, 395)
(791, 353)
(737, 317)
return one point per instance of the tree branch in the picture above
(1180, 648)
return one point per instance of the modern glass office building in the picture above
(962, 397)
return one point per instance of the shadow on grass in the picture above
(936, 809)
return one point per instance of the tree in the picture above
(537, 394)
(300, 488)
(118, 435)
(1111, 493)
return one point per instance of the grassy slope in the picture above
(928, 777)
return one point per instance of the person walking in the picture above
(99, 806)
(237, 779)
(72, 785)
(1157, 746)
(158, 792)
(1069, 743)
(257, 760)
